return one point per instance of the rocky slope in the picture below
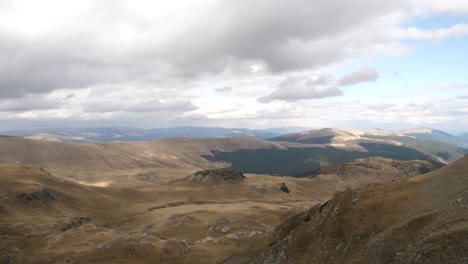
(414, 220)
(217, 176)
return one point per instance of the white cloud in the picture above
(449, 86)
(413, 33)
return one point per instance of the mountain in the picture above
(214, 216)
(464, 136)
(436, 135)
(353, 138)
(412, 220)
(107, 134)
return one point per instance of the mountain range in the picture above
(107, 134)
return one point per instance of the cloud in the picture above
(121, 59)
(225, 89)
(299, 88)
(125, 42)
(69, 96)
(449, 86)
(29, 103)
(366, 74)
(413, 33)
(465, 96)
(176, 106)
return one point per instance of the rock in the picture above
(220, 225)
(217, 176)
(42, 196)
(284, 188)
(206, 239)
(222, 221)
(175, 247)
(68, 223)
(253, 233)
(232, 236)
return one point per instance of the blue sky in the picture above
(387, 64)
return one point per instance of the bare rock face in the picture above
(217, 176)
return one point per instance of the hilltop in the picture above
(439, 145)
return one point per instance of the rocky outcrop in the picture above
(284, 188)
(71, 222)
(380, 167)
(217, 176)
(39, 197)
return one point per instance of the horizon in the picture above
(393, 65)
(295, 129)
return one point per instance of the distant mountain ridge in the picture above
(441, 146)
(436, 135)
(108, 134)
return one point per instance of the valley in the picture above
(187, 200)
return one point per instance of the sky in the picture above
(390, 64)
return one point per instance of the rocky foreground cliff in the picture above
(423, 219)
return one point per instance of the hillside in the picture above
(126, 164)
(378, 168)
(413, 220)
(46, 219)
(213, 216)
(439, 145)
(123, 163)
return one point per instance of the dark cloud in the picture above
(285, 35)
(27, 104)
(366, 74)
(225, 89)
(299, 88)
(228, 35)
(69, 96)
